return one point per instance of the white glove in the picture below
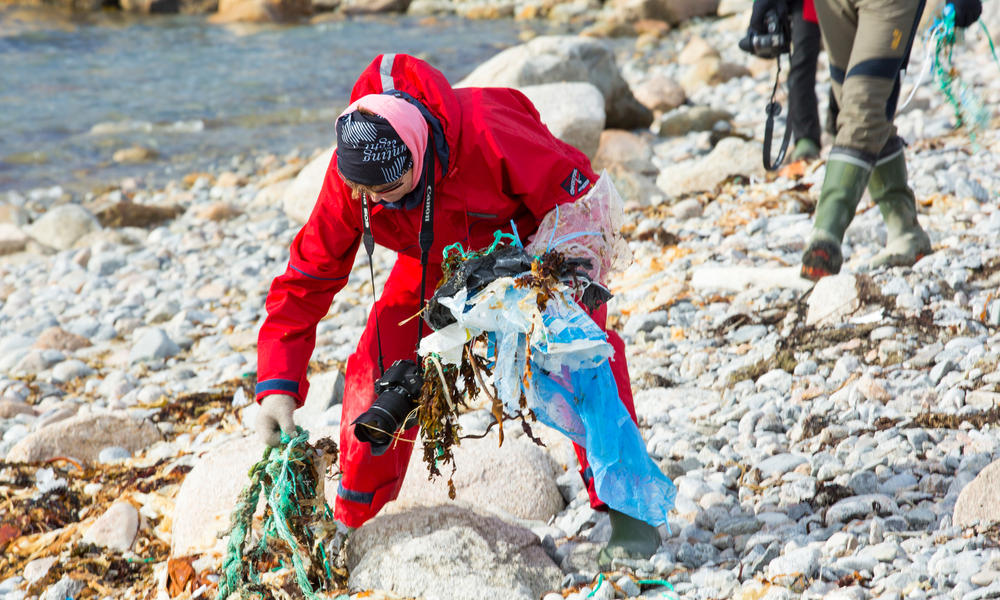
(275, 414)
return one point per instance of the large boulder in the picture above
(83, 437)
(300, 197)
(449, 553)
(208, 494)
(261, 11)
(731, 156)
(516, 479)
(573, 112)
(553, 59)
(977, 502)
(63, 225)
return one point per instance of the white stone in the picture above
(832, 300)
(115, 529)
(63, 225)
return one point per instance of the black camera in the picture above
(771, 44)
(396, 394)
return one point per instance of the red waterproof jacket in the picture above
(496, 163)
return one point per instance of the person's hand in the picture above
(275, 418)
(966, 11)
(761, 8)
(768, 26)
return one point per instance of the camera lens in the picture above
(386, 415)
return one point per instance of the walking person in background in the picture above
(803, 109)
(868, 44)
(475, 159)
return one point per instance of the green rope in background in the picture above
(966, 104)
(295, 518)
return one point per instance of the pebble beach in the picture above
(830, 441)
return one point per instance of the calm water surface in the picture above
(72, 94)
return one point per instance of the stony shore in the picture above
(835, 441)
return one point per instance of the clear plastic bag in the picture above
(589, 228)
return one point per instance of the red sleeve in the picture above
(809, 11)
(322, 255)
(534, 166)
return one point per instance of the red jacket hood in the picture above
(425, 84)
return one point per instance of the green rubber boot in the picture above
(843, 184)
(630, 538)
(906, 241)
(805, 149)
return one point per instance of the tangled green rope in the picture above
(967, 105)
(296, 521)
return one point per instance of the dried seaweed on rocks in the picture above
(297, 526)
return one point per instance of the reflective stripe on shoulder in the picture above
(385, 71)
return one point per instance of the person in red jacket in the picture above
(490, 161)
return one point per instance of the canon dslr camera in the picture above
(396, 394)
(773, 43)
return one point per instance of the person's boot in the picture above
(843, 184)
(906, 241)
(805, 149)
(630, 538)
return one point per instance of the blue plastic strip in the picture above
(549, 245)
(281, 385)
(573, 236)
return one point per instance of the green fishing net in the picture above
(298, 528)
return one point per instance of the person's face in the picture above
(393, 191)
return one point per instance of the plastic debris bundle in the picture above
(968, 106)
(298, 525)
(550, 359)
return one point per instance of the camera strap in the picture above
(773, 110)
(426, 240)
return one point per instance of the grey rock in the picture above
(527, 489)
(738, 526)
(447, 552)
(552, 59)
(780, 464)
(646, 322)
(153, 344)
(864, 482)
(860, 506)
(572, 111)
(801, 562)
(62, 589)
(697, 555)
(940, 370)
